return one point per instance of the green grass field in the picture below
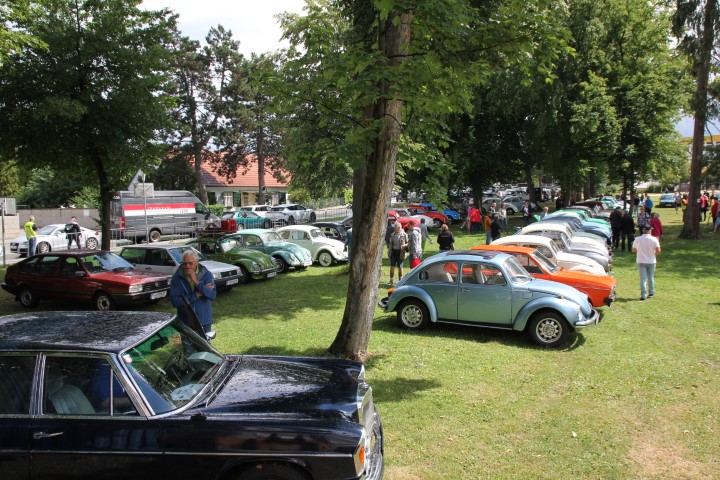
(634, 398)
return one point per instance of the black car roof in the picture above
(107, 332)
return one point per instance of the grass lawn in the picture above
(634, 398)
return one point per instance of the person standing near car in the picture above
(495, 229)
(72, 232)
(424, 233)
(398, 247)
(502, 215)
(646, 247)
(194, 282)
(627, 230)
(348, 240)
(526, 211)
(446, 240)
(31, 235)
(487, 225)
(616, 226)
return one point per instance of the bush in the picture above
(217, 209)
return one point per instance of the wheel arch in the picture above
(239, 468)
(565, 308)
(405, 293)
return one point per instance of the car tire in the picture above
(282, 265)
(92, 243)
(102, 302)
(548, 329)
(313, 218)
(246, 274)
(325, 258)
(154, 236)
(413, 314)
(272, 471)
(43, 247)
(291, 221)
(437, 223)
(27, 298)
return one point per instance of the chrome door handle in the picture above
(39, 435)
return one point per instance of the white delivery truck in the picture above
(159, 212)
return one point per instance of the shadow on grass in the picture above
(277, 350)
(509, 338)
(399, 389)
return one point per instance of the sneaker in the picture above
(642, 299)
(651, 295)
(390, 283)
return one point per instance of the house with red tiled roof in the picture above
(244, 188)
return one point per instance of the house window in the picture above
(237, 196)
(212, 198)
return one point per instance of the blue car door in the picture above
(484, 295)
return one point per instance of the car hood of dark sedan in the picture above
(273, 387)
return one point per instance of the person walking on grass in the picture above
(646, 247)
(398, 246)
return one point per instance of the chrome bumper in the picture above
(593, 320)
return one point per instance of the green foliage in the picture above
(87, 197)
(9, 179)
(216, 209)
(13, 37)
(174, 173)
(49, 188)
(92, 100)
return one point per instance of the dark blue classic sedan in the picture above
(139, 395)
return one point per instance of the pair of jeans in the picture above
(488, 238)
(32, 245)
(647, 276)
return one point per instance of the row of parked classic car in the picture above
(140, 273)
(547, 280)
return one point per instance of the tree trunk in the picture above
(106, 196)
(198, 157)
(691, 221)
(353, 338)
(260, 154)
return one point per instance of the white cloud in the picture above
(251, 22)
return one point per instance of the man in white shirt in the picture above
(646, 246)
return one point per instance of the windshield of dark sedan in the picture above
(548, 264)
(316, 233)
(172, 366)
(515, 272)
(105, 262)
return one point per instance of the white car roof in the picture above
(512, 239)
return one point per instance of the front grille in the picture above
(156, 285)
(228, 273)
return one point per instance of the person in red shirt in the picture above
(475, 220)
(657, 228)
(714, 208)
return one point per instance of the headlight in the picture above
(136, 288)
(217, 276)
(293, 258)
(255, 267)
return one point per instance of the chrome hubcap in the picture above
(412, 316)
(548, 330)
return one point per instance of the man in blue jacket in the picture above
(196, 283)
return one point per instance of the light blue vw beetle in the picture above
(488, 289)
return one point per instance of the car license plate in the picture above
(271, 274)
(156, 295)
(307, 263)
(232, 282)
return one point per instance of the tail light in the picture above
(122, 223)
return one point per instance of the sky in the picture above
(250, 21)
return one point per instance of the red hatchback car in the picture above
(103, 278)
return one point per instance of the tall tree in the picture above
(92, 100)
(695, 23)
(201, 85)
(373, 70)
(253, 113)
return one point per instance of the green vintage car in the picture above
(254, 264)
(286, 254)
